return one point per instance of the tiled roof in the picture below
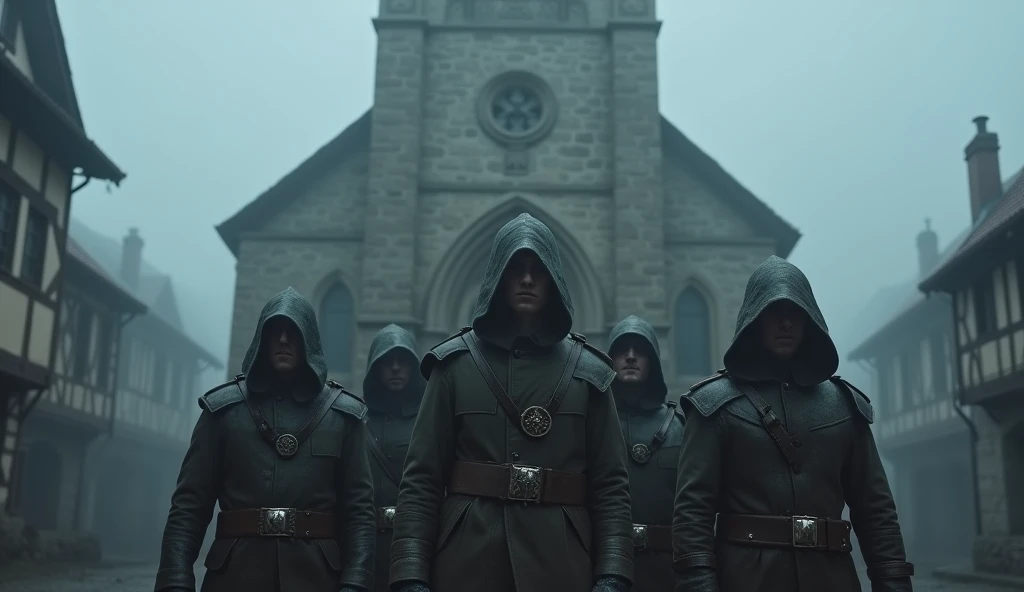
(78, 253)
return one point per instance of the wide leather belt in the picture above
(795, 532)
(652, 537)
(275, 522)
(518, 483)
(386, 518)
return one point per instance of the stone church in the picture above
(485, 109)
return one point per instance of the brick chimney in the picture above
(927, 248)
(982, 156)
(131, 258)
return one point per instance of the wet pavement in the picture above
(138, 577)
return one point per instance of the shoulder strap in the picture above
(378, 453)
(492, 381)
(321, 411)
(771, 423)
(659, 436)
(563, 382)
(326, 397)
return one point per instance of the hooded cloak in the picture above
(777, 279)
(312, 368)
(655, 387)
(389, 339)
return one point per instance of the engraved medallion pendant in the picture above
(536, 421)
(641, 453)
(287, 445)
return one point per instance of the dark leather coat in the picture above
(731, 465)
(652, 483)
(460, 543)
(389, 422)
(228, 462)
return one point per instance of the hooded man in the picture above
(777, 446)
(652, 429)
(283, 450)
(511, 483)
(393, 389)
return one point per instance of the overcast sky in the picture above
(847, 118)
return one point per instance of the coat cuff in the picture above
(175, 578)
(615, 558)
(357, 578)
(410, 561)
(692, 560)
(890, 570)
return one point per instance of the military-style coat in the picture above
(458, 543)
(731, 465)
(389, 426)
(228, 462)
(652, 461)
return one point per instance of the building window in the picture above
(10, 205)
(160, 379)
(34, 255)
(83, 342)
(692, 334)
(941, 361)
(984, 306)
(103, 352)
(337, 318)
(910, 374)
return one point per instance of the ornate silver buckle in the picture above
(524, 483)
(805, 531)
(386, 518)
(279, 522)
(639, 536)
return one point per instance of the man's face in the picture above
(781, 327)
(283, 344)
(394, 370)
(630, 359)
(526, 283)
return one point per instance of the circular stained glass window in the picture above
(517, 108)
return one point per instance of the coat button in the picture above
(515, 456)
(785, 385)
(797, 443)
(517, 353)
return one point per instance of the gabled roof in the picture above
(1001, 216)
(357, 135)
(728, 188)
(294, 184)
(111, 291)
(47, 106)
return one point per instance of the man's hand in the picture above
(611, 584)
(410, 587)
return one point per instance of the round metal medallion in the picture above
(536, 421)
(640, 453)
(287, 445)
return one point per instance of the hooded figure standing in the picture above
(777, 446)
(511, 482)
(652, 429)
(283, 450)
(393, 389)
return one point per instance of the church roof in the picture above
(357, 135)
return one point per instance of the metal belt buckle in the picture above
(278, 522)
(386, 518)
(639, 536)
(524, 483)
(805, 531)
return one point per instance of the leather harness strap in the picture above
(327, 397)
(785, 442)
(382, 459)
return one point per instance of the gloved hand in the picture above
(410, 586)
(611, 584)
(349, 589)
(697, 579)
(892, 585)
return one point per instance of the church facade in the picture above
(483, 110)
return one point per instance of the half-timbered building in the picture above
(45, 156)
(984, 282)
(78, 407)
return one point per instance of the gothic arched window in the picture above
(692, 334)
(337, 321)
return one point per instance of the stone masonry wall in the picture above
(692, 211)
(460, 63)
(334, 205)
(991, 474)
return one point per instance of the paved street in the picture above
(139, 578)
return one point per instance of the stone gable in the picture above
(693, 211)
(334, 204)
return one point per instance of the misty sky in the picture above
(847, 118)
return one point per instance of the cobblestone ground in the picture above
(139, 578)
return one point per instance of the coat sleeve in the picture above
(608, 489)
(357, 518)
(873, 513)
(427, 468)
(698, 482)
(191, 507)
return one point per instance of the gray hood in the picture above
(634, 325)
(313, 373)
